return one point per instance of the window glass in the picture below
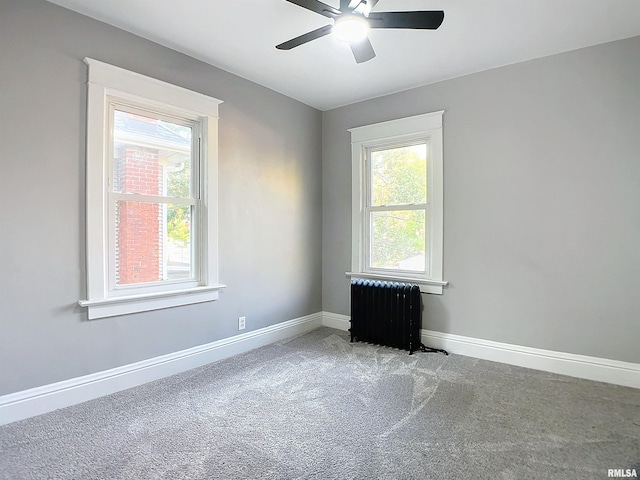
(398, 240)
(152, 242)
(153, 238)
(151, 156)
(399, 175)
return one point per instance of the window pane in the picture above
(399, 175)
(151, 156)
(153, 242)
(398, 240)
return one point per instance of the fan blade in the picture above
(353, 4)
(307, 37)
(362, 51)
(417, 20)
(372, 3)
(318, 7)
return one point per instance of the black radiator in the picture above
(387, 313)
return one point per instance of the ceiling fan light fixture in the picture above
(351, 28)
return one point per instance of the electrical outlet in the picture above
(241, 323)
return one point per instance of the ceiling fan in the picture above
(352, 21)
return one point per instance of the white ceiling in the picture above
(240, 36)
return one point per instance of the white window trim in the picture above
(109, 81)
(427, 126)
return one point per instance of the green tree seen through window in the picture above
(179, 216)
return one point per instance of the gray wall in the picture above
(270, 202)
(542, 187)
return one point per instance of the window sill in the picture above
(426, 286)
(113, 306)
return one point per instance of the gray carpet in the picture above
(318, 407)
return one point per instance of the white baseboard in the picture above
(335, 320)
(36, 401)
(39, 400)
(580, 366)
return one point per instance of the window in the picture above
(397, 201)
(151, 194)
